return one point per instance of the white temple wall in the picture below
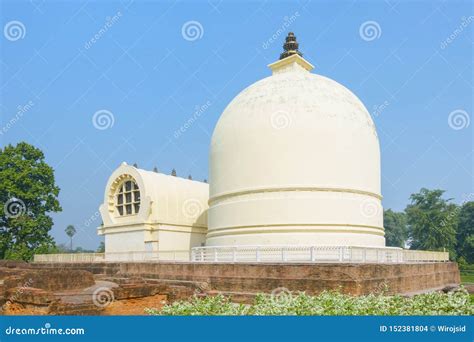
(170, 240)
(132, 241)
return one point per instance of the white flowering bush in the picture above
(327, 303)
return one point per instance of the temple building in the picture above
(147, 211)
(294, 161)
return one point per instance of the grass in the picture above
(467, 278)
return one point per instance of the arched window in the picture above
(127, 199)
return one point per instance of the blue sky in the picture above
(411, 63)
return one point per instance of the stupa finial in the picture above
(290, 46)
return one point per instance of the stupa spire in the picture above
(290, 46)
(291, 60)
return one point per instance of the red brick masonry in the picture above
(264, 277)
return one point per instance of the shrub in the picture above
(327, 303)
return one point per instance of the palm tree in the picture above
(70, 231)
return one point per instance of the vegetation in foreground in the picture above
(325, 304)
(467, 278)
(467, 273)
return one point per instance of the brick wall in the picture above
(312, 278)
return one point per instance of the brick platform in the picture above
(355, 279)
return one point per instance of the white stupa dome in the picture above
(295, 160)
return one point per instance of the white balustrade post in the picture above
(257, 254)
(234, 254)
(341, 251)
(312, 256)
(215, 254)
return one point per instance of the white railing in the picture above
(149, 256)
(69, 257)
(427, 256)
(114, 256)
(314, 254)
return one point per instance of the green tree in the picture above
(101, 248)
(60, 248)
(27, 194)
(395, 225)
(465, 233)
(70, 231)
(432, 221)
